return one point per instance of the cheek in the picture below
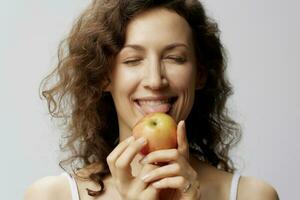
(123, 81)
(183, 82)
(183, 79)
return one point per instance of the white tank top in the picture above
(75, 193)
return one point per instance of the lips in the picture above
(155, 104)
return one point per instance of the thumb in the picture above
(183, 145)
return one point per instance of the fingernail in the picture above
(130, 139)
(183, 123)
(144, 160)
(142, 140)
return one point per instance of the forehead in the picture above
(158, 25)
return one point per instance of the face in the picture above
(156, 69)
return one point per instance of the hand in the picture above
(177, 173)
(129, 187)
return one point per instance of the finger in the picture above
(161, 156)
(177, 182)
(138, 184)
(162, 172)
(113, 156)
(150, 193)
(183, 146)
(122, 164)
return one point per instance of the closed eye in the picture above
(132, 62)
(177, 59)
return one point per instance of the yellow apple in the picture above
(159, 129)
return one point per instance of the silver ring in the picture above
(187, 187)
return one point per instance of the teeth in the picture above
(153, 102)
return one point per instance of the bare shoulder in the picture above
(254, 188)
(48, 188)
(216, 184)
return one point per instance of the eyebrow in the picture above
(167, 48)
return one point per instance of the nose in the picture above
(155, 76)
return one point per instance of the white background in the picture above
(262, 40)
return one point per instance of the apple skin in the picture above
(159, 129)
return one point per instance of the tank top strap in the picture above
(73, 186)
(234, 186)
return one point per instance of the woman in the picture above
(126, 59)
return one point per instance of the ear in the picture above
(107, 85)
(201, 78)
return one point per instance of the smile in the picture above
(155, 104)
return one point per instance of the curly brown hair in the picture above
(85, 59)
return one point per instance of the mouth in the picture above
(155, 104)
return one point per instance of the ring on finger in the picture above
(195, 184)
(187, 187)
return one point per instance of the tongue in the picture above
(164, 108)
